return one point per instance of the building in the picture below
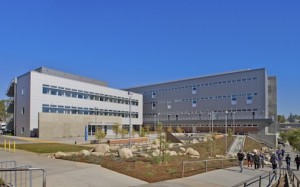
(243, 101)
(49, 103)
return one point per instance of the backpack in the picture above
(240, 156)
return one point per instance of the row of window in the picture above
(215, 111)
(67, 92)
(202, 85)
(248, 95)
(215, 125)
(86, 111)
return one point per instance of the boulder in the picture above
(181, 154)
(155, 153)
(194, 141)
(267, 163)
(84, 153)
(193, 152)
(102, 148)
(143, 155)
(220, 156)
(114, 148)
(154, 146)
(180, 144)
(72, 154)
(171, 145)
(193, 156)
(125, 153)
(172, 153)
(134, 150)
(182, 149)
(255, 151)
(59, 154)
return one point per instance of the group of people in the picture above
(257, 159)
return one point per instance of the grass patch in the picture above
(49, 147)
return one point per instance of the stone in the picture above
(172, 153)
(114, 148)
(267, 163)
(220, 156)
(125, 153)
(181, 154)
(194, 141)
(255, 151)
(102, 148)
(180, 144)
(134, 150)
(193, 156)
(155, 146)
(59, 154)
(84, 153)
(182, 149)
(143, 155)
(171, 145)
(155, 153)
(193, 152)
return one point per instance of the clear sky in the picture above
(128, 43)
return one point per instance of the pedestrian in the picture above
(280, 158)
(262, 159)
(240, 156)
(282, 152)
(249, 159)
(297, 161)
(288, 161)
(273, 161)
(256, 161)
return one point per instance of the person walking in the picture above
(273, 161)
(297, 161)
(249, 159)
(280, 158)
(256, 161)
(288, 161)
(240, 156)
(262, 159)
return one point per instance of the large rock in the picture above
(143, 155)
(182, 149)
(102, 148)
(125, 153)
(114, 148)
(154, 146)
(267, 163)
(84, 153)
(255, 151)
(172, 153)
(59, 154)
(193, 152)
(220, 156)
(194, 141)
(171, 145)
(155, 153)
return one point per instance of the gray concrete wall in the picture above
(179, 95)
(22, 106)
(53, 125)
(272, 96)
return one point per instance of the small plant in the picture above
(124, 132)
(2, 183)
(148, 174)
(172, 171)
(100, 134)
(143, 133)
(156, 159)
(117, 129)
(170, 130)
(230, 132)
(179, 130)
(147, 129)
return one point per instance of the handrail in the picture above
(26, 169)
(292, 177)
(258, 178)
(205, 161)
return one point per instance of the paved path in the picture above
(61, 173)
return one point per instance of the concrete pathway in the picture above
(218, 178)
(61, 173)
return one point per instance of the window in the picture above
(153, 105)
(249, 100)
(194, 90)
(169, 117)
(23, 110)
(22, 130)
(176, 116)
(153, 95)
(233, 100)
(194, 103)
(23, 91)
(169, 106)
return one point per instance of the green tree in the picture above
(143, 133)
(170, 129)
(124, 132)
(281, 119)
(293, 137)
(179, 130)
(3, 114)
(100, 134)
(147, 129)
(117, 129)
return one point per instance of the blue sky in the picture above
(130, 43)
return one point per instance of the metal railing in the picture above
(205, 164)
(259, 178)
(293, 179)
(12, 175)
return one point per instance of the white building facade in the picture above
(49, 103)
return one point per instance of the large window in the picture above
(233, 100)
(249, 99)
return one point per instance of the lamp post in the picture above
(233, 122)
(130, 125)
(226, 112)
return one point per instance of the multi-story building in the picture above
(243, 101)
(50, 103)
